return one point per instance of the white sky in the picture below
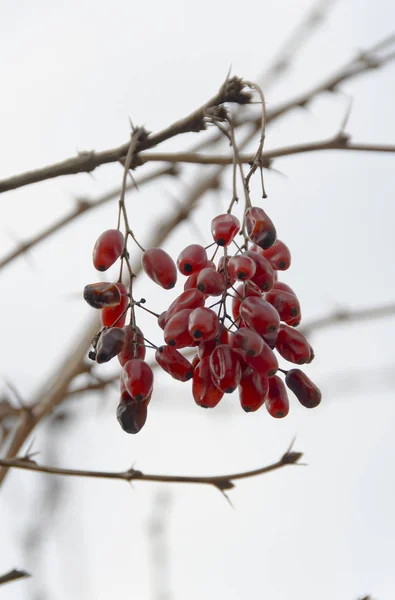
(71, 74)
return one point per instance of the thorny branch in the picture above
(221, 482)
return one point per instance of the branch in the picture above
(86, 162)
(222, 482)
(81, 208)
(13, 575)
(341, 316)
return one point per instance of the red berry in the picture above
(259, 315)
(192, 259)
(108, 249)
(277, 402)
(160, 267)
(206, 348)
(241, 267)
(278, 255)
(132, 416)
(162, 319)
(191, 282)
(264, 274)
(174, 363)
(225, 367)
(203, 324)
(223, 268)
(247, 340)
(205, 393)
(101, 294)
(138, 378)
(176, 330)
(304, 389)
(111, 343)
(260, 228)
(286, 304)
(243, 291)
(134, 346)
(211, 282)
(280, 285)
(292, 345)
(115, 316)
(265, 363)
(253, 390)
(192, 298)
(224, 228)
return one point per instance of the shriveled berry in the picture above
(253, 390)
(277, 402)
(203, 324)
(259, 315)
(278, 255)
(241, 267)
(211, 282)
(204, 391)
(260, 228)
(134, 346)
(108, 248)
(225, 367)
(160, 267)
(192, 259)
(224, 228)
(132, 416)
(304, 389)
(101, 294)
(174, 363)
(292, 345)
(138, 379)
(192, 298)
(111, 343)
(115, 316)
(176, 330)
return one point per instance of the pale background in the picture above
(71, 73)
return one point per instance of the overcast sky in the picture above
(72, 73)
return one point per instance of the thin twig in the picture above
(222, 482)
(13, 575)
(341, 316)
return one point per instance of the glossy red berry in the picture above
(101, 294)
(292, 345)
(204, 391)
(162, 319)
(260, 228)
(115, 316)
(111, 343)
(253, 390)
(192, 298)
(247, 340)
(278, 255)
(225, 367)
(264, 274)
(304, 389)
(224, 228)
(211, 282)
(108, 248)
(191, 282)
(241, 267)
(134, 346)
(277, 402)
(265, 363)
(174, 363)
(259, 315)
(243, 291)
(280, 285)
(176, 330)
(192, 259)
(286, 304)
(138, 378)
(132, 416)
(203, 324)
(160, 267)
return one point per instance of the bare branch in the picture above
(13, 575)
(222, 482)
(342, 316)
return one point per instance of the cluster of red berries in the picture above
(235, 336)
